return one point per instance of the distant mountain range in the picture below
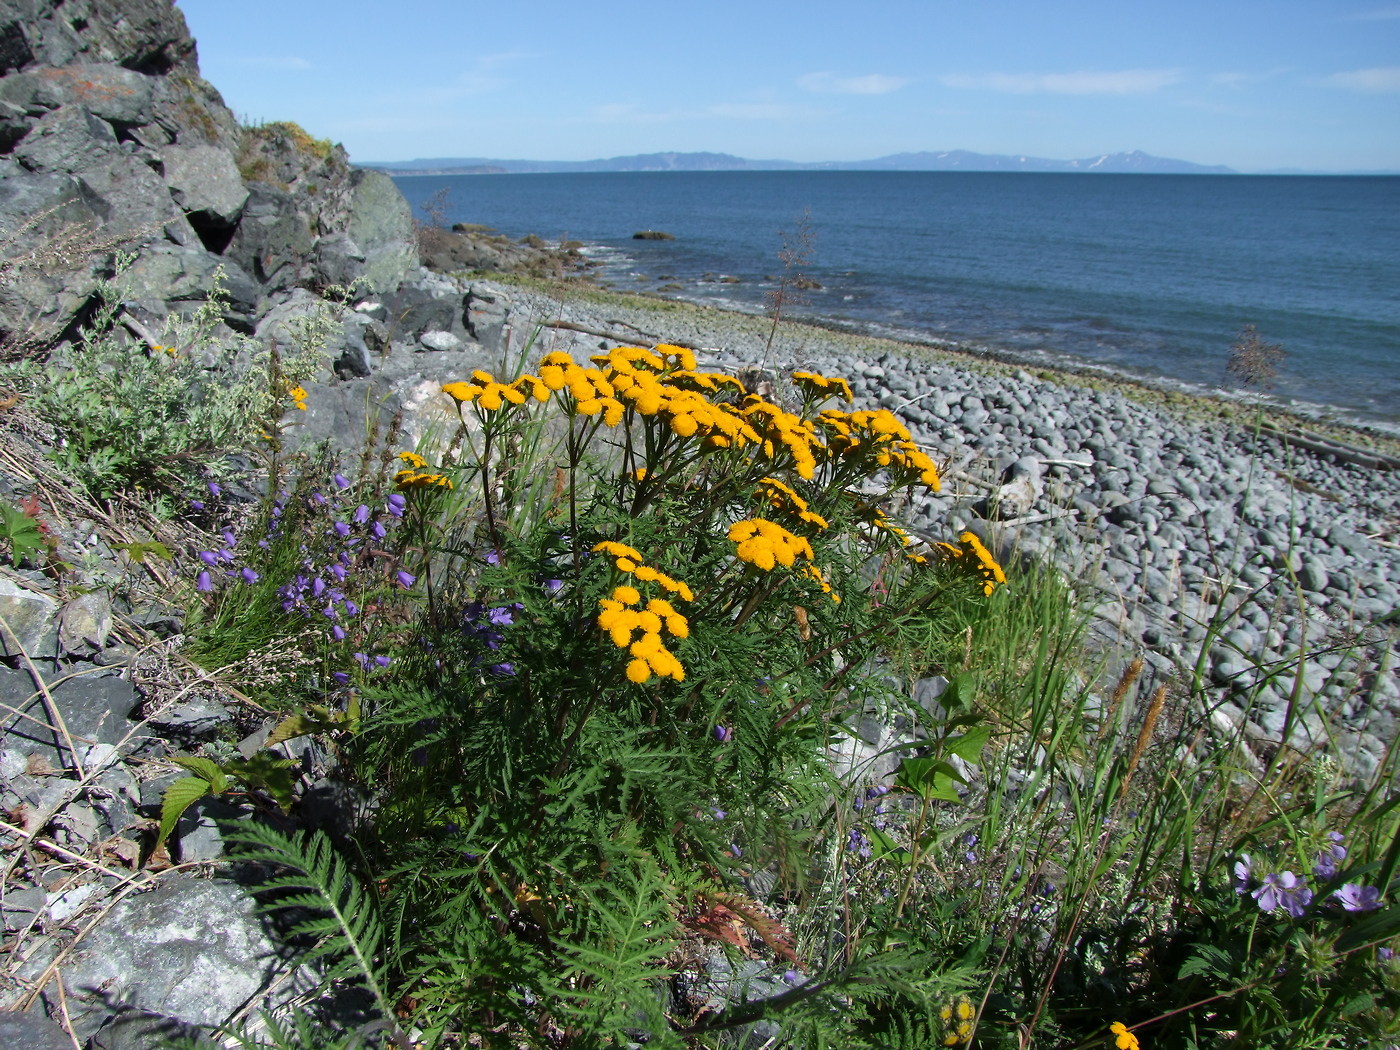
(1134, 161)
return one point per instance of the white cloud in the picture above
(870, 84)
(1121, 82)
(1374, 81)
(275, 62)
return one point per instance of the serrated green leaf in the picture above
(270, 772)
(207, 769)
(179, 797)
(22, 531)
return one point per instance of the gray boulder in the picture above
(204, 180)
(32, 1032)
(66, 139)
(381, 225)
(28, 622)
(95, 710)
(274, 239)
(177, 274)
(108, 91)
(191, 951)
(149, 36)
(131, 199)
(48, 276)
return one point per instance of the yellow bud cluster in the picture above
(417, 474)
(879, 520)
(623, 616)
(782, 497)
(764, 544)
(782, 431)
(298, 395)
(485, 392)
(588, 391)
(821, 387)
(630, 562)
(1122, 1038)
(957, 1018)
(884, 439)
(815, 574)
(972, 554)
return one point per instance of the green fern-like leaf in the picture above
(343, 919)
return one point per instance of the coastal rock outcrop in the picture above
(110, 141)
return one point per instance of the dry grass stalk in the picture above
(1149, 725)
(1253, 362)
(1126, 681)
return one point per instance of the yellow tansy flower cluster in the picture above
(1122, 1038)
(590, 392)
(957, 1018)
(764, 544)
(678, 397)
(782, 497)
(631, 562)
(880, 435)
(780, 431)
(623, 615)
(486, 392)
(298, 395)
(816, 385)
(416, 474)
(973, 554)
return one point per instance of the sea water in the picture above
(1151, 275)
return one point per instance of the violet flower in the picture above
(203, 583)
(1244, 873)
(406, 579)
(341, 482)
(1283, 890)
(1356, 897)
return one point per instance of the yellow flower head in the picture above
(1123, 1039)
(821, 387)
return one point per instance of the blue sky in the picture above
(1256, 85)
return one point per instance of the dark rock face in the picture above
(109, 139)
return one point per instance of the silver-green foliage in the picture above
(132, 415)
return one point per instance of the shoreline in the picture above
(1190, 400)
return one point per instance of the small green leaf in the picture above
(179, 797)
(883, 847)
(962, 687)
(140, 551)
(930, 778)
(205, 768)
(968, 747)
(268, 771)
(22, 531)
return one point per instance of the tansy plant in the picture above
(648, 594)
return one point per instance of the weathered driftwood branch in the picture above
(1360, 457)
